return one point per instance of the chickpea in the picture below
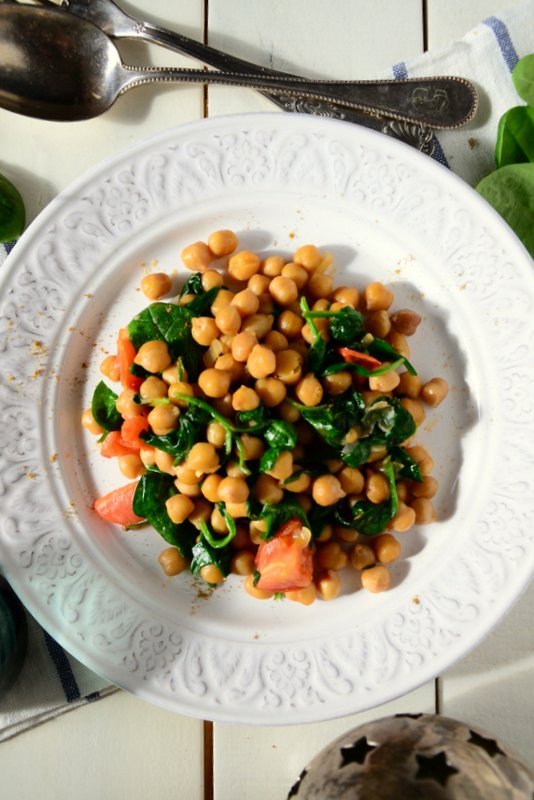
(308, 256)
(385, 382)
(156, 285)
(222, 243)
(214, 382)
(216, 434)
(377, 297)
(234, 368)
(351, 480)
(362, 556)
(172, 561)
(89, 423)
(203, 458)
(201, 512)
(211, 279)
(347, 295)
(427, 488)
(424, 511)
(228, 319)
(245, 399)
(259, 324)
(110, 368)
(288, 412)
(187, 489)
(204, 330)
(399, 343)
(176, 373)
(211, 574)
(180, 387)
(331, 556)
(257, 528)
(163, 419)
(272, 266)
(290, 324)
(254, 591)
(197, 256)
(283, 290)
(246, 302)
(376, 487)
(387, 548)
(185, 299)
(261, 361)
(405, 321)
(243, 265)
(328, 584)
(276, 341)
(152, 389)
(271, 391)
(259, 284)
(376, 579)
(252, 447)
(300, 484)
(415, 408)
(147, 454)
(288, 366)
(282, 467)
(267, 490)
(404, 519)
(218, 522)
(378, 323)
(242, 345)
(165, 462)
(242, 563)
(210, 487)
(327, 490)
(425, 461)
(223, 405)
(236, 510)
(153, 356)
(131, 465)
(337, 383)
(305, 596)
(320, 285)
(223, 299)
(434, 392)
(409, 385)
(297, 274)
(309, 390)
(241, 540)
(179, 507)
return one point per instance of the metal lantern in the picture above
(415, 757)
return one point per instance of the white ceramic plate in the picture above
(387, 213)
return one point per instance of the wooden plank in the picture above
(310, 38)
(265, 762)
(119, 748)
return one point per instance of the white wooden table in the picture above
(121, 747)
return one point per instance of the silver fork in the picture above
(107, 16)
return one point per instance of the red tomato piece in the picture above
(131, 430)
(125, 356)
(355, 357)
(117, 505)
(285, 562)
(113, 445)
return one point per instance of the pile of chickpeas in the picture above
(256, 343)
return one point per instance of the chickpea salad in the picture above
(265, 420)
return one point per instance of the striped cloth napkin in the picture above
(53, 682)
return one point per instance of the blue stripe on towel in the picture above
(504, 41)
(64, 671)
(400, 73)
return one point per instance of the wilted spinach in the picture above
(153, 490)
(103, 408)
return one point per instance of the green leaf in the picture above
(12, 212)
(387, 419)
(275, 515)
(191, 429)
(382, 350)
(406, 465)
(523, 78)
(193, 285)
(204, 554)
(153, 489)
(515, 137)
(332, 421)
(281, 434)
(370, 519)
(169, 323)
(103, 408)
(203, 302)
(510, 190)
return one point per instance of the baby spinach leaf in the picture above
(204, 554)
(523, 78)
(515, 137)
(193, 285)
(276, 515)
(191, 429)
(103, 408)
(172, 324)
(406, 465)
(281, 434)
(346, 326)
(218, 542)
(510, 190)
(382, 350)
(333, 420)
(358, 452)
(153, 489)
(268, 459)
(387, 419)
(12, 212)
(203, 302)
(370, 519)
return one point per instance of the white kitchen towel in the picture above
(51, 681)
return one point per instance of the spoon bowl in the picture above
(58, 66)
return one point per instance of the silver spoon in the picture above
(57, 66)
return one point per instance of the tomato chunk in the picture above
(113, 445)
(131, 430)
(116, 506)
(285, 562)
(125, 356)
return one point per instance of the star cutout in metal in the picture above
(357, 752)
(435, 768)
(489, 745)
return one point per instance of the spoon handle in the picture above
(445, 102)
